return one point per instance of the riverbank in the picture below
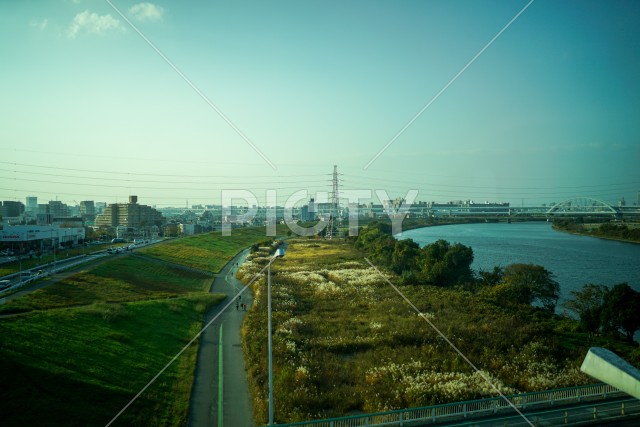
(628, 233)
(84, 346)
(345, 342)
(573, 259)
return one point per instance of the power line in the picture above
(111, 172)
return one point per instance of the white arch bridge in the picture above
(583, 206)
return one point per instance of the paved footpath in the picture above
(222, 400)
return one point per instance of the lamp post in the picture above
(279, 254)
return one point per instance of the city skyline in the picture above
(246, 199)
(215, 96)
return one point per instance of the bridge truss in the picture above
(582, 206)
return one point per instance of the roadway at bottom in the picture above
(621, 411)
(227, 394)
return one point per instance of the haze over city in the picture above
(526, 102)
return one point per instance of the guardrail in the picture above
(588, 414)
(470, 408)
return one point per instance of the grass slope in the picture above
(80, 366)
(210, 251)
(124, 278)
(83, 347)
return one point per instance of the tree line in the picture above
(441, 263)
(605, 310)
(607, 230)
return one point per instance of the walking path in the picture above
(218, 400)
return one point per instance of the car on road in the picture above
(4, 284)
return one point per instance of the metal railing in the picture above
(470, 408)
(593, 412)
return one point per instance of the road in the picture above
(64, 269)
(222, 400)
(621, 411)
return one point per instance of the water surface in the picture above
(574, 260)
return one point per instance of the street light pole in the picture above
(279, 253)
(270, 344)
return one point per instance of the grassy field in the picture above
(78, 350)
(74, 353)
(124, 278)
(208, 252)
(345, 342)
(80, 366)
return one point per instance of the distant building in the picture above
(88, 210)
(70, 221)
(131, 215)
(187, 229)
(33, 236)
(58, 209)
(10, 208)
(32, 206)
(308, 211)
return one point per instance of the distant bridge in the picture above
(573, 207)
(598, 402)
(582, 206)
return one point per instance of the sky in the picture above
(183, 102)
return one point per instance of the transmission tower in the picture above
(334, 207)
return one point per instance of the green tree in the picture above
(377, 241)
(528, 283)
(404, 256)
(588, 304)
(371, 233)
(621, 310)
(492, 278)
(441, 263)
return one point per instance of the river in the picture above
(574, 260)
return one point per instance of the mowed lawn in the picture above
(79, 350)
(209, 252)
(80, 366)
(124, 278)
